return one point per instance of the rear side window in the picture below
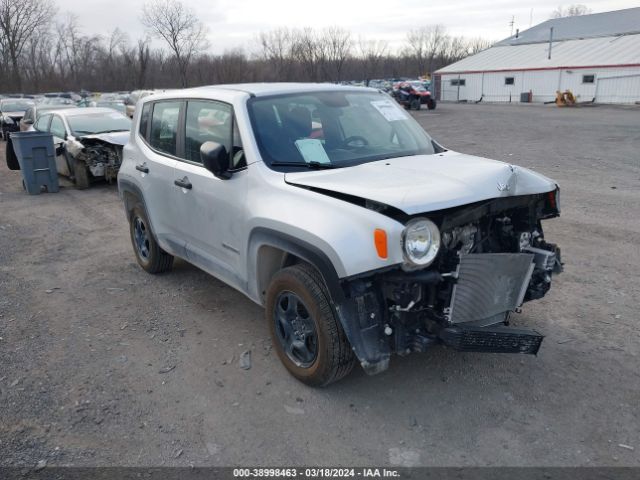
(42, 125)
(144, 120)
(206, 122)
(164, 126)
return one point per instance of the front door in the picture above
(59, 132)
(212, 210)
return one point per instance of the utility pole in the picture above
(511, 24)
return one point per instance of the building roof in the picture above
(610, 39)
(591, 52)
(607, 24)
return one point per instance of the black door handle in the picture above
(142, 168)
(184, 183)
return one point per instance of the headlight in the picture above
(420, 243)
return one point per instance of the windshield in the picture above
(15, 105)
(334, 129)
(98, 123)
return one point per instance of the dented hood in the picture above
(115, 138)
(424, 183)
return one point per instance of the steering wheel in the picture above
(355, 138)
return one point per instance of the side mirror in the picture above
(215, 158)
(28, 121)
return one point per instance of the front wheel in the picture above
(431, 104)
(415, 104)
(148, 253)
(306, 333)
(81, 175)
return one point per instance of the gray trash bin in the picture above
(37, 158)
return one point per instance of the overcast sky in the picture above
(235, 23)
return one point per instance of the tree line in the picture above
(41, 51)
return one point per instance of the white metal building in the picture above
(596, 56)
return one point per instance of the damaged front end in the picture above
(492, 258)
(102, 158)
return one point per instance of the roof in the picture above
(607, 24)
(592, 52)
(260, 89)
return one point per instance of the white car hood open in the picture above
(425, 183)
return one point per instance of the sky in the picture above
(235, 23)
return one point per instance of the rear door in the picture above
(155, 162)
(212, 210)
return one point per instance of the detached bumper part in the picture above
(492, 339)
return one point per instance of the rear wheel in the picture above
(306, 333)
(148, 253)
(415, 104)
(431, 104)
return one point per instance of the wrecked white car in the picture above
(331, 207)
(88, 142)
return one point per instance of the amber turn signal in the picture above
(380, 239)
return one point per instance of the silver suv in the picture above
(331, 207)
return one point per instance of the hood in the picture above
(424, 183)
(115, 138)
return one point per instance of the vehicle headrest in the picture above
(298, 120)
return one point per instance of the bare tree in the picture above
(179, 27)
(142, 58)
(337, 45)
(18, 22)
(477, 44)
(277, 50)
(308, 52)
(427, 44)
(372, 53)
(574, 10)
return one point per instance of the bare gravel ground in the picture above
(103, 364)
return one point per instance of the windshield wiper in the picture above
(113, 131)
(310, 165)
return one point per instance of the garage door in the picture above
(620, 89)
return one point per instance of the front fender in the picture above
(356, 306)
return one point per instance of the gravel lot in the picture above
(103, 364)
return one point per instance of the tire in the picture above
(334, 358)
(431, 104)
(149, 255)
(80, 175)
(10, 156)
(415, 104)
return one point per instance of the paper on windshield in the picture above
(312, 150)
(389, 110)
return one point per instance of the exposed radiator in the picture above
(489, 284)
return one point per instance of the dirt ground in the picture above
(103, 364)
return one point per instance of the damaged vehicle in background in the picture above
(331, 207)
(88, 142)
(11, 112)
